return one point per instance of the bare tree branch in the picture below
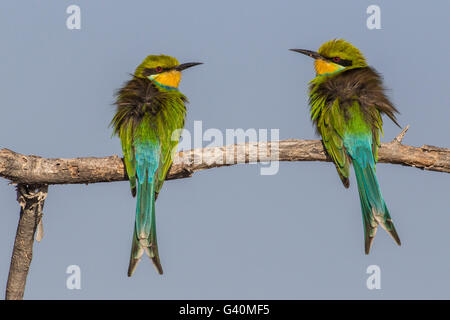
(31, 169)
(33, 174)
(31, 199)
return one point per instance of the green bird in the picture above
(347, 100)
(149, 118)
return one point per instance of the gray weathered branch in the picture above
(33, 174)
(31, 169)
(31, 199)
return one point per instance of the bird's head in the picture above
(335, 56)
(163, 70)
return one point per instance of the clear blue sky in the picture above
(228, 232)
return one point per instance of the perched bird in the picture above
(347, 100)
(150, 113)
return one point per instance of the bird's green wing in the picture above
(377, 128)
(331, 125)
(126, 139)
(170, 124)
(167, 152)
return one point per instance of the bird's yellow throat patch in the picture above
(168, 79)
(325, 67)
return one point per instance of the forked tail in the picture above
(144, 235)
(373, 207)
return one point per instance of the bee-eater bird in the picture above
(149, 118)
(347, 100)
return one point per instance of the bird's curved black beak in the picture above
(184, 66)
(309, 53)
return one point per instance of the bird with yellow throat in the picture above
(347, 100)
(149, 118)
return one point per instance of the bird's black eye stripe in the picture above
(342, 62)
(149, 71)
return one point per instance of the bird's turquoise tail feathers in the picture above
(373, 207)
(144, 236)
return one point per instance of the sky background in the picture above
(229, 232)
